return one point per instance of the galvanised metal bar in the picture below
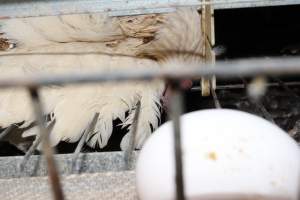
(47, 149)
(34, 146)
(30, 152)
(128, 154)
(87, 186)
(242, 86)
(215, 98)
(33, 8)
(176, 109)
(224, 69)
(7, 131)
(90, 129)
(285, 86)
(86, 163)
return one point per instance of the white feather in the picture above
(179, 37)
(149, 114)
(75, 106)
(40, 31)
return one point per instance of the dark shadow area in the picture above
(265, 31)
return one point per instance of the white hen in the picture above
(178, 42)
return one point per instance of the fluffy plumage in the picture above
(177, 35)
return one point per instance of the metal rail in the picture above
(47, 149)
(132, 137)
(89, 130)
(176, 109)
(224, 69)
(242, 86)
(34, 8)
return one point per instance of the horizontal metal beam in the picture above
(30, 8)
(108, 186)
(85, 163)
(224, 69)
(242, 86)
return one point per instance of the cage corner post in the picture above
(208, 29)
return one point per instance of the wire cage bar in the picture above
(222, 69)
(34, 8)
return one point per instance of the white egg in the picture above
(227, 154)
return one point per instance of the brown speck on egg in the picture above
(212, 156)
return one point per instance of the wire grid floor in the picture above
(66, 163)
(92, 176)
(108, 185)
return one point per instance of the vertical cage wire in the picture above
(47, 149)
(176, 109)
(128, 153)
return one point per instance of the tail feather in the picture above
(40, 31)
(180, 35)
(34, 32)
(149, 115)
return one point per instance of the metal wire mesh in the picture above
(110, 185)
